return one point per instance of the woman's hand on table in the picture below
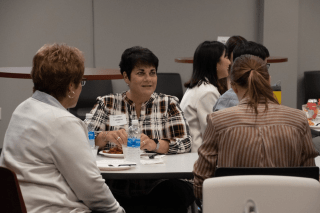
(117, 137)
(147, 143)
(150, 145)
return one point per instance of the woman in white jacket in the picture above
(210, 63)
(47, 147)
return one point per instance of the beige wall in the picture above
(280, 36)
(309, 45)
(168, 28)
(24, 27)
(103, 29)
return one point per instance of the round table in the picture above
(89, 73)
(177, 166)
(271, 59)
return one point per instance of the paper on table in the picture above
(157, 160)
(115, 163)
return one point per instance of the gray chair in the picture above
(302, 171)
(88, 96)
(311, 85)
(261, 193)
(170, 84)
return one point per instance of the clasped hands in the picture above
(120, 137)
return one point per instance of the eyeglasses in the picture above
(83, 81)
(268, 65)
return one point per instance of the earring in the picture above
(72, 92)
(127, 84)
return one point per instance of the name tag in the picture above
(118, 120)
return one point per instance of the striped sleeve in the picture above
(205, 166)
(308, 151)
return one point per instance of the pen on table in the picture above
(123, 165)
(153, 155)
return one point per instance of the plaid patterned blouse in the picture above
(161, 118)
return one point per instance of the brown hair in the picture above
(232, 42)
(251, 72)
(55, 67)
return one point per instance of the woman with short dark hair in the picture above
(163, 130)
(210, 63)
(47, 147)
(258, 132)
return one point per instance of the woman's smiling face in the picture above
(143, 81)
(223, 66)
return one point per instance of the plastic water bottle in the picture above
(87, 121)
(133, 144)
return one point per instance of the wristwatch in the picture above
(158, 145)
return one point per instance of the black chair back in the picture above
(11, 199)
(311, 85)
(88, 96)
(308, 172)
(170, 84)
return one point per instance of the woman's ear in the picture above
(125, 77)
(71, 87)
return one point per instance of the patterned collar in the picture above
(129, 101)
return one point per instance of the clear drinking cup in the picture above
(124, 150)
(94, 150)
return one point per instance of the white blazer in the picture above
(196, 104)
(47, 147)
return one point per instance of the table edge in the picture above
(120, 176)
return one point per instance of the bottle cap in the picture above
(135, 122)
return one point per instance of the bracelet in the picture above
(158, 145)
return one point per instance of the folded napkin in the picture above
(158, 159)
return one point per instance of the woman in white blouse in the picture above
(47, 147)
(210, 63)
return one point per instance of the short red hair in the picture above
(55, 66)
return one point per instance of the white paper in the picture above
(223, 39)
(158, 159)
(118, 120)
(152, 161)
(113, 162)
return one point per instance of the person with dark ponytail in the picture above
(229, 98)
(210, 63)
(258, 132)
